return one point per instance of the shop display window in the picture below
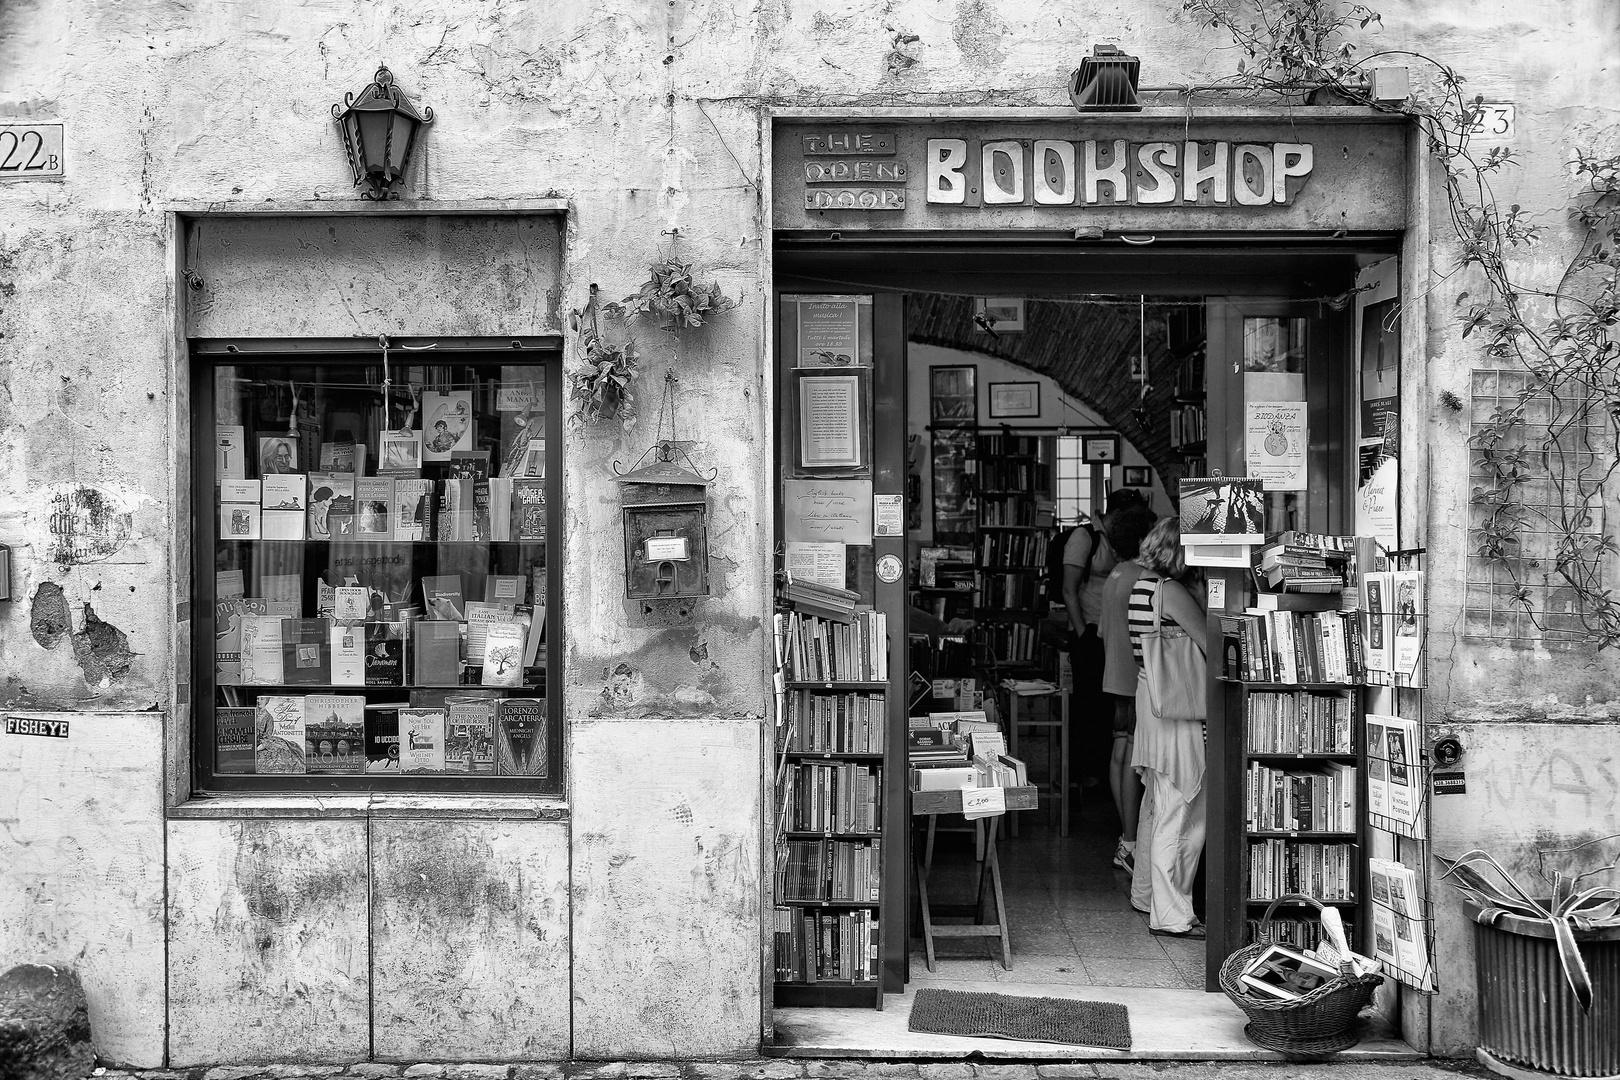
(376, 570)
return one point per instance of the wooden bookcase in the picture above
(1274, 748)
(1010, 550)
(832, 784)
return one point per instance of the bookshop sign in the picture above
(1121, 175)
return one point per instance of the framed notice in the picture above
(1011, 399)
(953, 394)
(831, 421)
(1099, 449)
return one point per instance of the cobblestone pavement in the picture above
(786, 1069)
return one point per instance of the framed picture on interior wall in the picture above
(1099, 449)
(999, 314)
(1138, 476)
(953, 394)
(1009, 399)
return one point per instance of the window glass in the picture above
(377, 569)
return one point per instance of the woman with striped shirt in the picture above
(1168, 753)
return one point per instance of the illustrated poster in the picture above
(1274, 441)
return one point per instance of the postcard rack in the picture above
(1402, 836)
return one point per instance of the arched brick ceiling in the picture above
(1085, 348)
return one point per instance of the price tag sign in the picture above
(31, 152)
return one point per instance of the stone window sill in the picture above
(362, 805)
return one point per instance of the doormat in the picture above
(1032, 1019)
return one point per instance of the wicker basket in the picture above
(1316, 1024)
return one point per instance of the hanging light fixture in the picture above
(379, 130)
(1106, 81)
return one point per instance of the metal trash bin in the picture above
(1528, 1016)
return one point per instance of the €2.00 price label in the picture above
(31, 152)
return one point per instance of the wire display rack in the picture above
(1401, 910)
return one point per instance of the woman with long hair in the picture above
(1169, 754)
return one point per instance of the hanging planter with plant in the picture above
(672, 297)
(601, 387)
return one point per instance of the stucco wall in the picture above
(645, 117)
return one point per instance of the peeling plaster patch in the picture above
(84, 524)
(101, 649)
(978, 32)
(48, 616)
(699, 653)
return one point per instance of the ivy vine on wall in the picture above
(1544, 455)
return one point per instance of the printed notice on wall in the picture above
(888, 515)
(829, 331)
(826, 510)
(829, 422)
(1274, 443)
(822, 564)
(1378, 484)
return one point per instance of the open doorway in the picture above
(995, 425)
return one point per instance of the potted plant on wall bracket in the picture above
(601, 387)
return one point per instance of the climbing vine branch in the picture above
(1545, 455)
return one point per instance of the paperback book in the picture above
(348, 654)
(385, 653)
(234, 730)
(280, 747)
(469, 745)
(421, 733)
(413, 508)
(528, 509)
(399, 453)
(230, 455)
(334, 733)
(306, 652)
(382, 738)
(503, 654)
(520, 739)
(331, 506)
(374, 507)
(436, 653)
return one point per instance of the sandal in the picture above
(1192, 933)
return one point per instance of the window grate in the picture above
(1564, 448)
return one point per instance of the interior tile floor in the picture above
(1074, 934)
(1068, 908)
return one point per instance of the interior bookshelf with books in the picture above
(1014, 527)
(377, 575)
(832, 677)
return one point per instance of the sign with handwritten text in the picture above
(827, 510)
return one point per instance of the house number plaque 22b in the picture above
(31, 152)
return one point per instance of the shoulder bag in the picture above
(1174, 663)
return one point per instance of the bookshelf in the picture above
(1188, 417)
(1303, 798)
(831, 791)
(1010, 548)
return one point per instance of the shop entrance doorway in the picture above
(1005, 392)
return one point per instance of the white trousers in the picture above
(1169, 839)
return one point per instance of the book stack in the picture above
(822, 649)
(1278, 866)
(1299, 723)
(1300, 562)
(824, 601)
(832, 798)
(1316, 800)
(835, 723)
(815, 947)
(829, 870)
